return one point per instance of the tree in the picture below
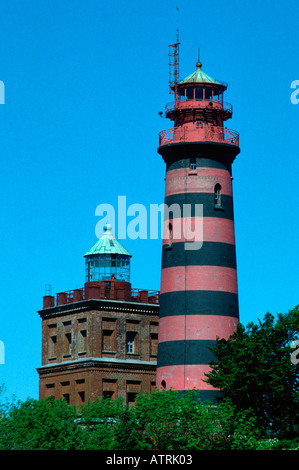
(40, 425)
(100, 419)
(170, 420)
(254, 369)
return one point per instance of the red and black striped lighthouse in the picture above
(199, 293)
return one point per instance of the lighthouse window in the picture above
(217, 195)
(199, 93)
(193, 163)
(209, 93)
(190, 93)
(170, 234)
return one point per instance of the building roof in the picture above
(107, 244)
(198, 77)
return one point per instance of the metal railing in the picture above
(196, 133)
(101, 292)
(199, 104)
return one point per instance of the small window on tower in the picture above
(218, 195)
(170, 234)
(193, 163)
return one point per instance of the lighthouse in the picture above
(199, 292)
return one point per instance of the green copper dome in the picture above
(198, 77)
(107, 244)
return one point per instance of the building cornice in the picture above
(97, 362)
(100, 304)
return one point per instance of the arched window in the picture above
(217, 195)
(170, 234)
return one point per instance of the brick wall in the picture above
(98, 348)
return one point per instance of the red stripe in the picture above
(202, 180)
(214, 278)
(181, 327)
(209, 229)
(184, 377)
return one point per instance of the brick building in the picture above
(100, 340)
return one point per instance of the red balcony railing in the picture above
(194, 133)
(101, 292)
(199, 104)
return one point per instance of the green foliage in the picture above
(108, 425)
(39, 425)
(163, 420)
(259, 411)
(125, 436)
(255, 371)
(169, 420)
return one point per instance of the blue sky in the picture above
(84, 82)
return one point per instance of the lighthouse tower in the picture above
(199, 293)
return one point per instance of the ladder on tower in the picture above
(173, 68)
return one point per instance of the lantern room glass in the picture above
(107, 266)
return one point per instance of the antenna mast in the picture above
(174, 62)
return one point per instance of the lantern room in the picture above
(199, 86)
(107, 259)
(198, 93)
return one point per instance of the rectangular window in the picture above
(52, 346)
(67, 344)
(133, 388)
(131, 397)
(48, 386)
(107, 344)
(82, 341)
(50, 390)
(66, 396)
(109, 335)
(81, 396)
(193, 163)
(154, 344)
(109, 387)
(130, 342)
(52, 340)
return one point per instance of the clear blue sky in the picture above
(84, 82)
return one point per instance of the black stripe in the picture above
(203, 395)
(210, 396)
(221, 152)
(176, 353)
(199, 303)
(210, 254)
(206, 199)
(200, 163)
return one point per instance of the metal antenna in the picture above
(48, 289)
(177, 24)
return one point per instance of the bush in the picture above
(40, 425)
(162, 420)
